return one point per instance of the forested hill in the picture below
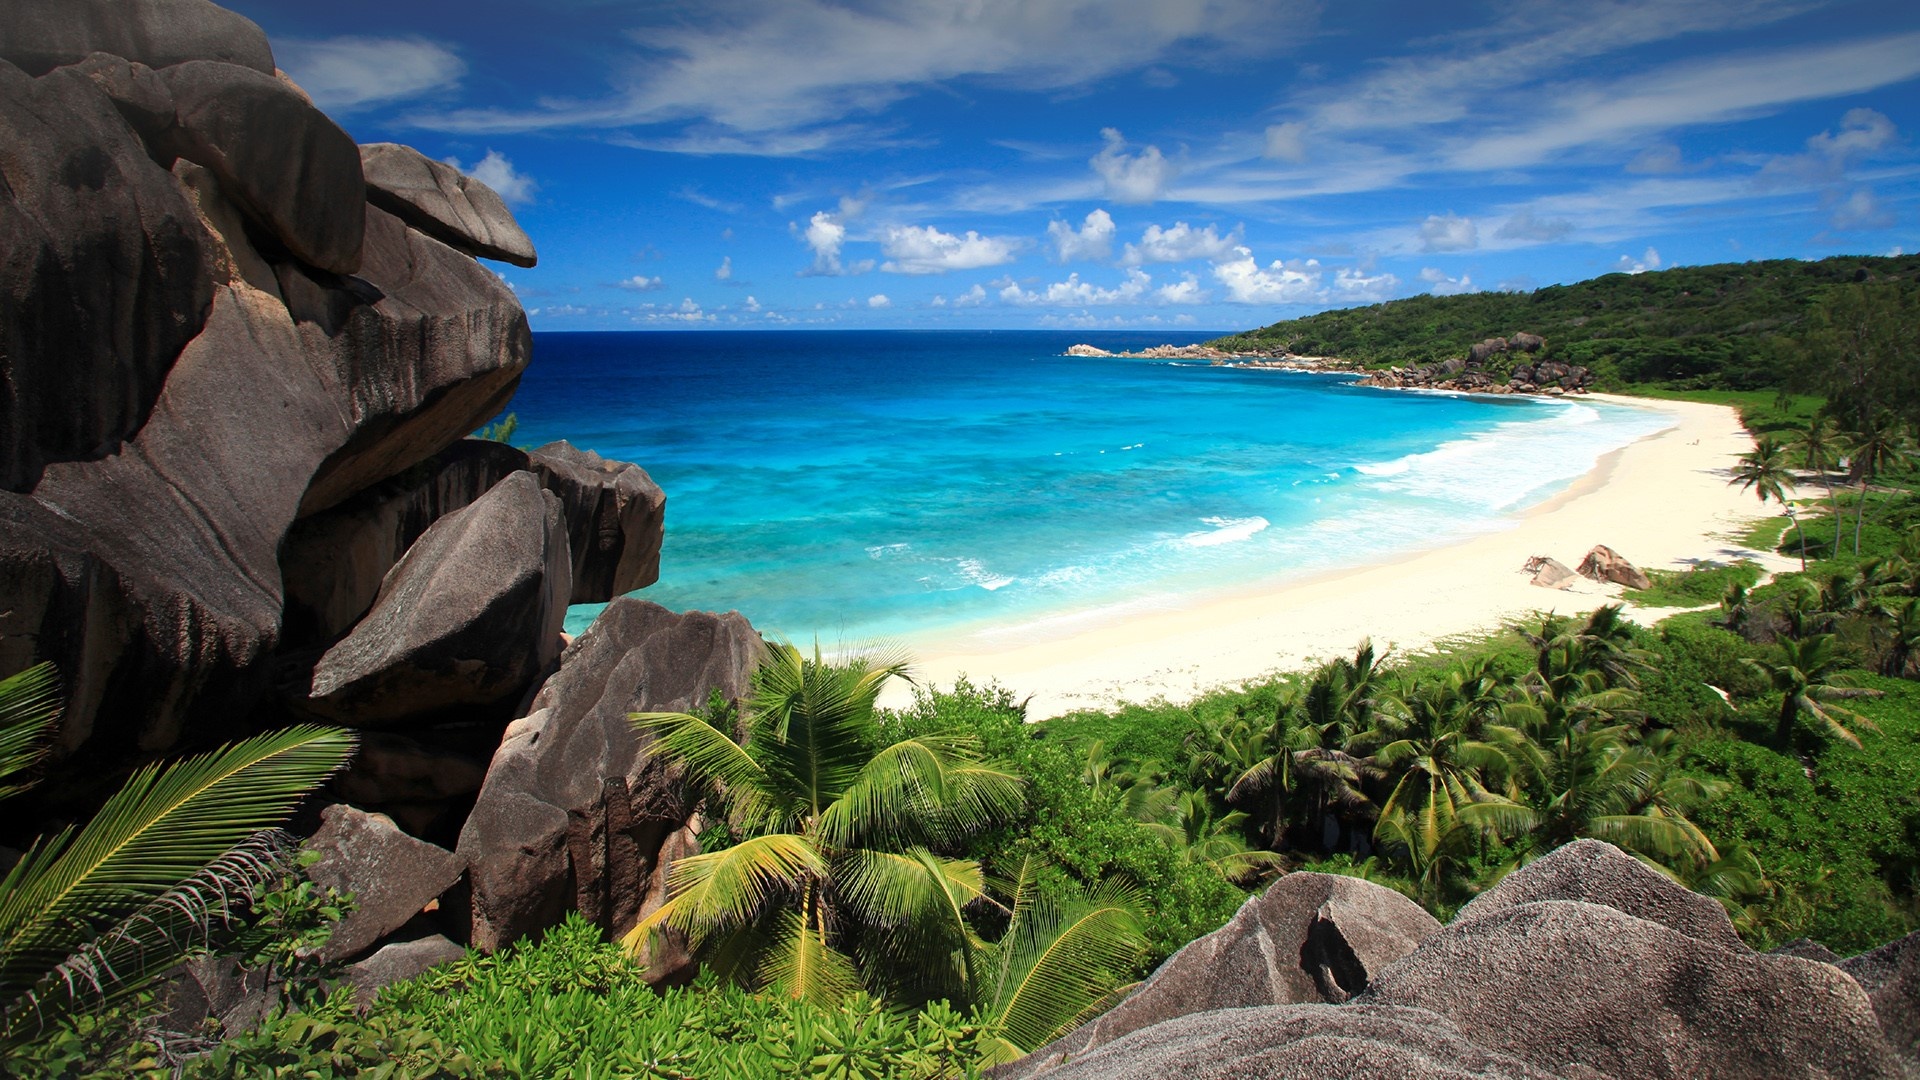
(1692, 326)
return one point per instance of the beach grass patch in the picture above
(1695, 586)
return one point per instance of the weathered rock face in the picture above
(1599, 873)
(105, 255)
(1588, 990)
(616, 516)
(469, 616)
(147, 499)
(574, 808)
(1308, 938)
(397, 962)
(391, 875)
(39, 35)
(444, 203)
(1550, 573)
(1584, 965)
(1605, 564)
(1324, 1042)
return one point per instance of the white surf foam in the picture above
(1225, 531)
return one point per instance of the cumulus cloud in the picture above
(724, 272)
(1285, 142)
(1093, 240)
(1351, 285)
(643, 283)
(1862, 131)
(1523, 225)
(1131, 178)
(752, 304)
(349, 74)
(1448, 232)
(1076, 293)
(1185, 291)
(1861, 209)
(923, 249)
(824, 234)
(971, 298)
(1439, 284)
(1648, 260)
(1180, 243)
(1247, 282)
(879, 300)
(498, 173)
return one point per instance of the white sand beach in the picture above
(1662, 502)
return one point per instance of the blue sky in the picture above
(1217, 164)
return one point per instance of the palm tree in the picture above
(1808, 677)
(1819, 450)
(1190, 827)
(1763, 470)
(1057, 965)
(839, 873)
(1439, 764)
(1871, 450)
(1904, 627)
(93, 913)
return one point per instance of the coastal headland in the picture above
(1663, 502)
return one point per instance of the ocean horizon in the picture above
(979, 489)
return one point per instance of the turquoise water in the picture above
(941, 487)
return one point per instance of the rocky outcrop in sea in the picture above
(239, 356)
(1583, 965)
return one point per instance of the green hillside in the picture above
(1691, 327)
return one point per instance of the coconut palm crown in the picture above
(840, 875)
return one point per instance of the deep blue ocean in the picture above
(979, 488)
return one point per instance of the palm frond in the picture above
(166, 824)
(29, 714)
(1060, 959)
(798, 962)
(717, 890)
(916, 886)
(141, 948)
(710, 755)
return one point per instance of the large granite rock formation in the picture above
(574, 808)
(1308, 938)
(390, 875)
(1584, 965)
(39, 35)
(469, 617)
(1605, 564)
(444, 203)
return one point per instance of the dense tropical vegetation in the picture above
(925, 891)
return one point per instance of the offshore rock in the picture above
(469, 616)
(575, 812)
(444, 203)
(1323, 1042)
(1586, 990)
(391, 875)
(39, 35)
(1308, 938)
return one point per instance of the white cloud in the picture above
(498, 173)
(1439, 284)
(1247, 282)
(1523, 225)
(741, 70)
(1664, 158)
(924, 249)
(1185, 291)
(1862, 131)
(347, 74)
(1180, 243)
(1448, 232)
(700, 198)
(1648, 260)
(1076, 293)
(824, 234)
(1861, 210)
(971, 298)
(1131, 178)
(643, 283)
(724, 272)
(752, 304)
(1093, 240)
(1285, 142)
(878, 300)
(1352, 285)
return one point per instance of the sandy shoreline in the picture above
(1662, 502)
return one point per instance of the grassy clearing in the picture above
(1696, 586)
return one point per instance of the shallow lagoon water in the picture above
(980, 487)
